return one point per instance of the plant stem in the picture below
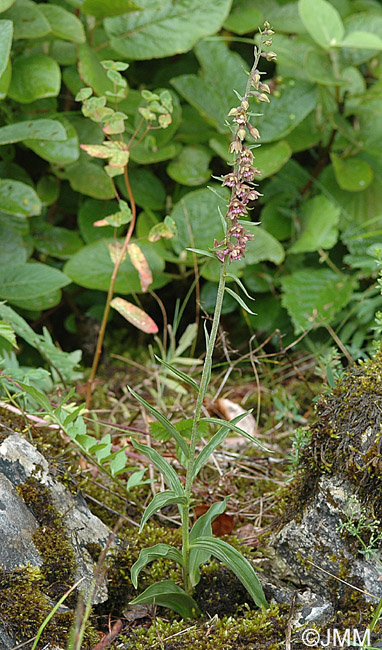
(110, 292)
(205, 379)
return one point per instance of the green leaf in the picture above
(271, 157)
(320, 218)
(164, 421)
(243, 18)
(135, 315)
(362, 40)
(314, 296)
(18, 199)
(59, 153)
(7, 333)
(5, 4)
(139, 35)
(264, 247)
(179, 373)
(34, 77)
(161, 464)
(322, 21)
(92, 268)
(149, 191)
(199, 251)
(31, 130)
(91, 211)
(239, 300)
(152, 553)
(296, 100)
(28, 21)
(29, 281)
(352, 174)
(56, 241)
(63, 24)
(319, 68)
(197, 219)
(160, 500)
(88, 178)
(202, 528)
(212, 444)
(190, 167)
(92, 72)
(12, 249)
(143, 155)
(241, 285)
(104, 8)
(167, 594)
(6, 33)
(235, 561)
(231, 425)
(37, 395)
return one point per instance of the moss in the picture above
(25, 606)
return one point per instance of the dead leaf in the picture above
(222, 525)
(139, 262)
(135, 315)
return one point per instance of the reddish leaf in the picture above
(139, 262)
(135, 315)
(222, 525)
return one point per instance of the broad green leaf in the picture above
(319, 68)
(197, 219)
(202, 528)
(243, 18)
(166, 229)
(271, 157)
(48, 189)
(92, 72)
(29, 281)
(5, 80)
(352, 174)
(291, 54)
(212, 444)
(63, 24)
(152, 553)
(322, 21)
(18, 199)
(6, 33)
(167, 594)
(208, 298)
(59, 153)
(92, 268)
(178, 373)
(5, 4)
(28, 21)
(91, 211)
(296, 100)
(240, 301)
(190, 167)
(307, 134)
(211, 92)
(7, 333)
(139, 35)
(314, 296)
(264, 247)
(362, 40)
(12, 249)
(172, 430)
(34, 77)
(231, 425)
(235, 561)
(364, 22)
(139, 262)
(143, 155)
(56, 241)
(134, 315)
(320, 218)
(88, 178)
(160, 500)
(104, 8)
(282, 17)
(161, 464)
(149, 191)
(31, 130)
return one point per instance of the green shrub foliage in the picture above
(313, 256)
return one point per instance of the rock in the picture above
(337, 492)
(36, 508)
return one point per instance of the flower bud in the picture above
(265, 88)
(244, 104)
(241, 134)
(271, 56)
(233, 111)
(268, 43)
(253, 132)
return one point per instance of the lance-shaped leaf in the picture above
(135, 315)
(162, 499)
(235, 561)
(162, 465)
(202, 528)
(152, 553)
(173, 431)
(139, 262)
(232, 426)
(167, 594)
(179, 373)
(240, 301)
(215, 441)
